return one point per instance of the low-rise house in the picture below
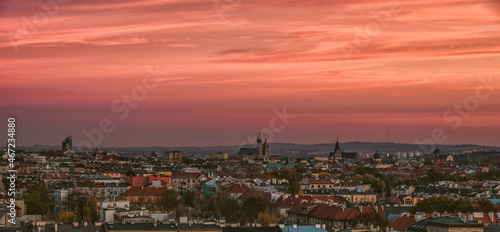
(185, 181)
(150, 194)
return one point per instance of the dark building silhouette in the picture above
(338, 154)
(261, 151)
(67, 144)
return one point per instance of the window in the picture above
(137, 182)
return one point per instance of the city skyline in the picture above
(217, 71)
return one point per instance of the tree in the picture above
(265, 218)
(90, 211)
(324, 175)
(293, 181)
(253, 206)
(463, 205)
(485, 205)
(377, 183)
(229, 209)
(140, 201)
(37, 199)
(76, 202)
(187, 160)
(189, 198)
(439, 204)
(130, 173)
(66, 217)
(169, 200)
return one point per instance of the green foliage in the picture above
(130, 173)
(377, 183)
(188, 160)
(253, 206)
(293, 180)
(485, 205)
(169, 200)
(230, 210)
(443, 204)
(37, 199)
(367, 170)
(483, 176)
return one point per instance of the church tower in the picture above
(337, 152)
(266, 150)
(259, 146)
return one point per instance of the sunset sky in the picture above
(345, 69)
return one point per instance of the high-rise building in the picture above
(67, 144)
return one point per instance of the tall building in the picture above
(67, 144)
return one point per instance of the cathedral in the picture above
(338, 155)
(260, 152)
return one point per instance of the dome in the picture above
(377, 156)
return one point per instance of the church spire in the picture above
(337, 145)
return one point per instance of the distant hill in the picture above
(300, 149)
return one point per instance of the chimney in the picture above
(323, 226)
(84, 223)
(281, 226)
(342, 207)
(295, 226)
(75, 224)
(375, 208)
(360, 208)
(491, 216)
(55, 227)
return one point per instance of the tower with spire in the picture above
(259, 146)
(337, 152)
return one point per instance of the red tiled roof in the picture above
(336, 213)
(185, 175)
(253, 193)
(239, 188)
(145, 191)
(402, 223)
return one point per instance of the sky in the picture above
(205, 73)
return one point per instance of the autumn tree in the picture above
(90, 211)
(66, 217)
(485, 205)
(265, 218)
